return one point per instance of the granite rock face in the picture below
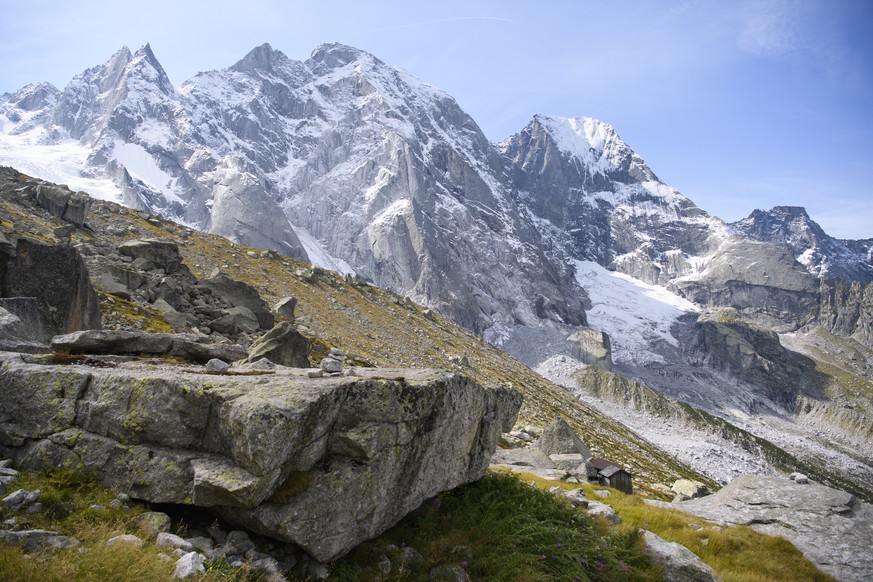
(832, 528)
(755, 355)
(846, 309)
(57, 277)
(679, 563)
(325, 463)
(763, 282)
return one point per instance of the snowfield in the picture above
(634, 314)
(61, 163)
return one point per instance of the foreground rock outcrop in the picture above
(325, 463)
(832, 528)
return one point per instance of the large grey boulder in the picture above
(72, 207)
(282, 345)
(285, 307)
(163, 254)
(236, 320)
(189, 565)
(832, 528)
(57, 277)
(559, 438)
(324, 463)
(240, 294)
(678, 563)
(122, 342)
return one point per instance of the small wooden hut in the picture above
(612, 474)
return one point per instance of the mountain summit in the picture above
(822, 254)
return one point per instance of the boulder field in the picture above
(325, 463)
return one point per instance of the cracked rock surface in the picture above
(832, 528)
(325, 463)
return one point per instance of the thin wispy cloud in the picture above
(808, 33)
(769, 27)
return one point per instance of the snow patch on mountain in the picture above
(318, 256)
(59, 162)
(141, 165)
(634, 314)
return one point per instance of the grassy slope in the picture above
(736, 553)
(499, 528)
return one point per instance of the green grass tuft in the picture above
(501, 528)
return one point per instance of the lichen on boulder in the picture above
(325, 463)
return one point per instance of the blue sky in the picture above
(740, 104)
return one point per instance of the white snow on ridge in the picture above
(583, 138)
(141, 165)
(633, 313)
(60, 163)
(155, 132)
(318, 256)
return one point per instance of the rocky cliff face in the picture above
(598, 195)
(846, 309)
(830, 527)
(761, 281)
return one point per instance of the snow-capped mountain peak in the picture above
(822, 254)
(329, 56)
(144, 65)
(596, 145)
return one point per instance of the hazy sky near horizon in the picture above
(740, 104)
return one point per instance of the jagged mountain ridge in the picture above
(822, 254)
(578, 175)
(387, 174)
(315, 137)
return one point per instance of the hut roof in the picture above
(601, 464)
